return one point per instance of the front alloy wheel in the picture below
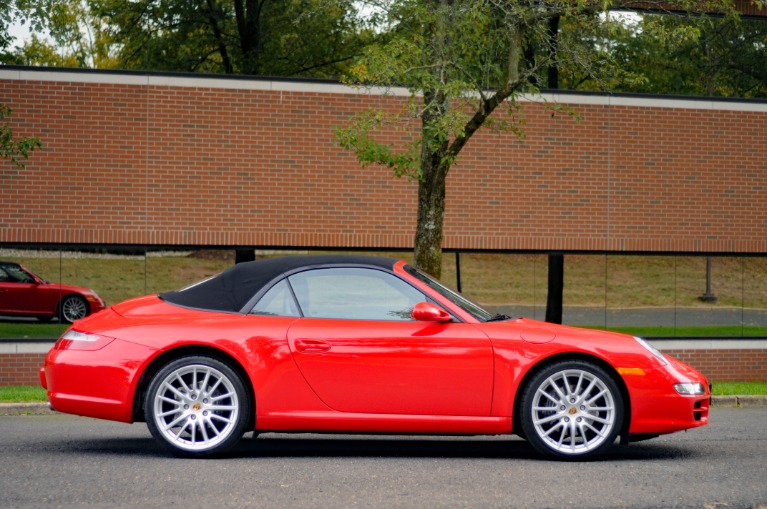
(572, 409)
(73, 308)
(197, 406)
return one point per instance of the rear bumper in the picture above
(98, 383)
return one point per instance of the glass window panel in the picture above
(640, 292)
(278, 301)
(168, 270)
(754, 296)
(28, 303)
(512, 284)
(584, 290)
(354, 293)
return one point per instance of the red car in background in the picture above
(22, 293)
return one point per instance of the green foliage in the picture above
(708, 331)
(739, 388)
(22, 394)
(14, 150)
(357, 138)
(286, 38)
(661, 53)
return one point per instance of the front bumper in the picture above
(657, 408)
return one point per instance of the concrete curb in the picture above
(716, 401)
(738, 401)
(35, 408)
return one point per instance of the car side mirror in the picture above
(425, 312)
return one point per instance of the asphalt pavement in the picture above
(63, 461)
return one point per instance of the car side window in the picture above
(355, 294)
(17, 275)
(278, 301)
(4, 276)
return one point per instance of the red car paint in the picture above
(22, 293)
(465, 376)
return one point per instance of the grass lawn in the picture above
(717, 331)
(29, 394)
(22, 394)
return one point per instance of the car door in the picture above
(360, 351)
(20, 293)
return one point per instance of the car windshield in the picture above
(456, 298)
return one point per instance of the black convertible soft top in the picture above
(233, 288)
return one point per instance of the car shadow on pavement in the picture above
(426, 447)
(355, 446)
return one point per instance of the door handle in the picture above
(312, 345)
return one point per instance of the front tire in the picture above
(572, 409)
(72, 308)
(197, 406)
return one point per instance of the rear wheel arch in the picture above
(165, 358)
(572, 356)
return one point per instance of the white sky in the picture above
(20, 32)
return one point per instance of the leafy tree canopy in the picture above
(267, 37)
(694, 55)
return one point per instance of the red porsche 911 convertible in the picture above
(356, 344)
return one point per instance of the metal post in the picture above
(708, 296)
(458, 270)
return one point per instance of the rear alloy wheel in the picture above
(197, 406)
(572, 409)
(72, 308)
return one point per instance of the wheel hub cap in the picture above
(573, 411)
(196, 408)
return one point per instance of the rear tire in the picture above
(572, 409)
(197, 406)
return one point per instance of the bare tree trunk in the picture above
(431, 213)
(213, 19)
(431, 189)
(248, 16)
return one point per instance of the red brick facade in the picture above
(21, 368)
(749, 365)
(184, 160)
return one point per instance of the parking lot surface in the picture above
(65, 461)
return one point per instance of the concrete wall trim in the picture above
(329, 87)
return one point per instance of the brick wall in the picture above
(20, 368)
(180, 160)
(747, 365)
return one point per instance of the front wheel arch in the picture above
(165, 358)
(575, 356)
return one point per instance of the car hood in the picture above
(538, 332)
(69, 288)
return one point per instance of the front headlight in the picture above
(656, 353)
(690, 389)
